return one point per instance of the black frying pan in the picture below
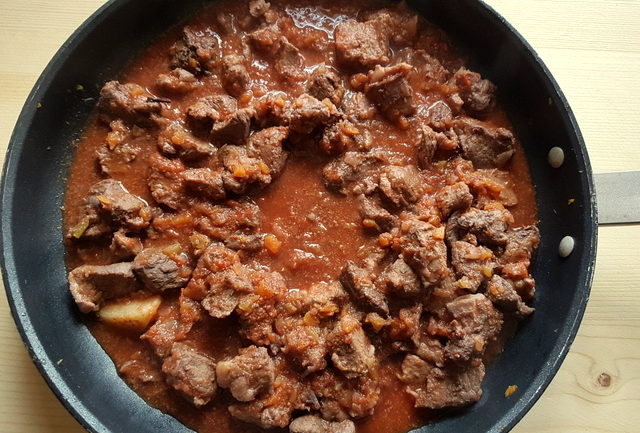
(34, 181)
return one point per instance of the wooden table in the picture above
(593, 49)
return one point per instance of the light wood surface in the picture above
(593, 49)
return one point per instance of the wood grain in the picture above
(593, 49)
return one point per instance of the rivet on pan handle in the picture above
(618, 196)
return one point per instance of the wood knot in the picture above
(604, 380)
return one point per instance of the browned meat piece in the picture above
(400, 25)
(351, 351)
(223, 220)
(247, 375)
(428, 72)
(401, 186)
(374, 216)
(210, 109)
(349, 167)
(165, 182)
(307, 113)
(342, 136)
(521, 243)
(389, 90)
(477, 94)
(161, 269)
(399, 278)
(175, 140)
(358, 283)
(110, 206)
(272, 109)
(360, 46)
(430, 349)
(167, 329)
(492, 185)
(427, 146)
(124, 247)
(315, 424)
(177, 81)
(267, 146)
(234, 129)
(305, 346)
(289, 62)
(437, 388)
(473, 264)
(489, 226)
(476, 323)
(453, 197)
(267, 39)
(192, 373)
(129, 102)
(90, 284)
(241, 241)
(275, 409)
(242, 170)
(403, 331)
(341, 398)
(483, 145)
(325, 84)
(234, 75)
(503, 295)
(424, 250)
(196, 51)
(440, 116)
(218, 281)
(204, 181)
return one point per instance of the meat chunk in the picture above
(308, 113)
(192, 373)
(129, 102)
(247, 375)
(175, 140)
(521, 243)
(424, 250)
(161, 269)
(504, 296)
(124, 247)
(477, 323)
(233, 129)
(165, 182)
(266, 39)
(485, 146)
(437, 388)
(399, 278)
(234, 75)
(289, 62)
(473, 264)
(374, 216)
(110, 206)
(489, 226)
(342, 136)
(453, 197)
(167, 329)
(399, 24)
(267, 146)
(351, 351)
(389, 90)
(349, 167)
(90, 285)
(218, 281)
(477, 94)
(341, 398)
(315, 424)
(306, 346)
(258, 8)
(209, 109)
(221, 221)
(325, 84)
(178, 81)
(197, 51)
(358, 283)
(204, 181)
(401, 186)
(360, 46)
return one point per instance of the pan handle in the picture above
(618, 195)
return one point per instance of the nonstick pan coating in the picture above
(37, 164)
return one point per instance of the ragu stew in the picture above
(301, 215)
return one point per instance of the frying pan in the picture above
(37, 165)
